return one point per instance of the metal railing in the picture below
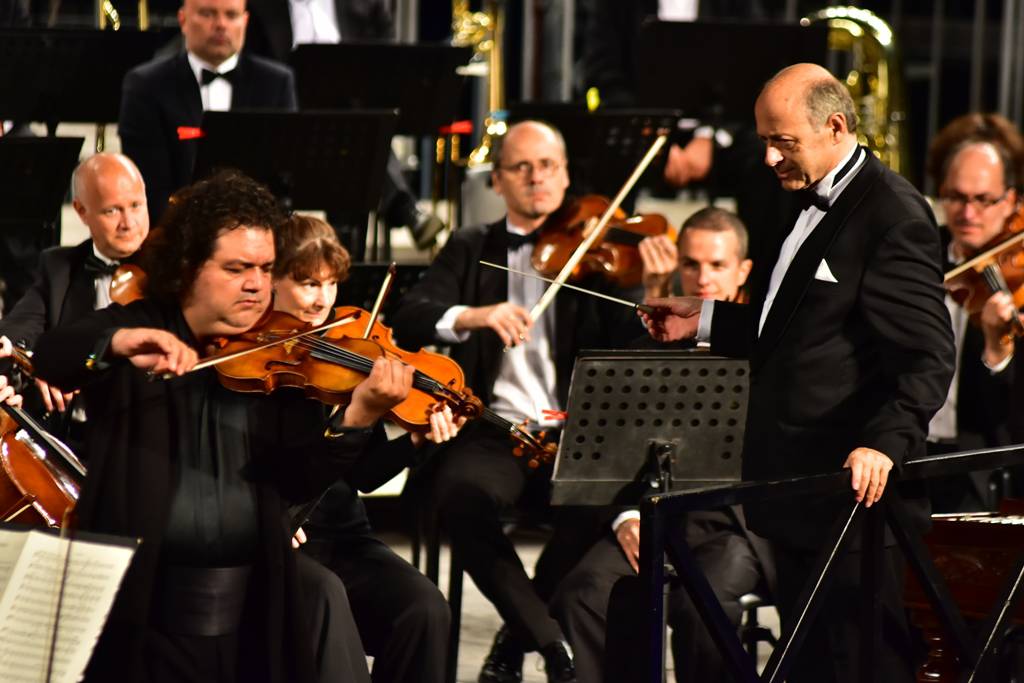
(660, 514)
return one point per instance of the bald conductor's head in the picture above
(110, 198)
(807, 121)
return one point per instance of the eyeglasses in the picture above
(544, 168)
(957, 200)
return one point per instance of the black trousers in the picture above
(830, 652)
(599, 606)
(337, 647)
(403, 619)
(476, 478)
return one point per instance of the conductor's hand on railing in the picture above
(510, 322)
(870, 473)
(628, 535)
(674, 318)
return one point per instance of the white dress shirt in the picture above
(102, 282)
(677, 10)
(216, 95)
(808, 219)
(526, 382)
(314, 21)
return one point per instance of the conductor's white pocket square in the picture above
(824, 274)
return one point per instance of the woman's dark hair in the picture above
(195, 217)
(304, 246)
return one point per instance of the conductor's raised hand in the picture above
(510, 322)
(870, 473)
(673, 318)
(156, 351)
(387, 385)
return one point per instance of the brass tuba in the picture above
(874, 77)
(484, 32)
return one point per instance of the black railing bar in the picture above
(934, 585)
(833, 482)
(995, 630)
(790, 641)
(741, 665)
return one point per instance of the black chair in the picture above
(751, 630)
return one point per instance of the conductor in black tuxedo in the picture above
(110, 198)
(163, 101)
(851, 353)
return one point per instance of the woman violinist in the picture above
(202, 474)
(976, 164)
(403, 619)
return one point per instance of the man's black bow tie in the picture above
(805, 199)
(207, 76)
(515, 240)
(98, 267)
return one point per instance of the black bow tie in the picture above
(206, 76)
(99, 267)
(805, 199)
(515, 240)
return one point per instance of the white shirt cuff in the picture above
(445, 327)
(998, 367)
(707, 310)
(624, 517)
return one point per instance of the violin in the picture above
(40, 478)
(330, 366)
(614, 255)
(997, 267)
(127, 283)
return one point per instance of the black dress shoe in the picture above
(504, 663)
(558, 662)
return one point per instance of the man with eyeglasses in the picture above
(977, 176)
(479, 311)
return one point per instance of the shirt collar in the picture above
(197, 65)
(829, 187)
(101, 257)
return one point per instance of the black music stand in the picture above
(419, 80)
(649, 421)
(54, 75)
(715, 70)
(330, 161)
(604, 146)
(35, 174)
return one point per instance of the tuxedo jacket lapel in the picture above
(493, 289)
(80, 293)
(242, 87)
(188, 93)
(804, 265)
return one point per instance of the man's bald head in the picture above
(807, 120)
(110, 198)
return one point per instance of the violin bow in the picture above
(597, 230)
(215, 360)
(640, 307)
(385, 289)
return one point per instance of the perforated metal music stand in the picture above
(643, 421)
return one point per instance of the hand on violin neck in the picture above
(689, 164)
(997, 325)
(673, 318)
(7, 393)
(54, 398)
(660, 258)
(157, 351)
(510, 322)
(386, 386)
(444, 426)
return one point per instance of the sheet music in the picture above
(29, 602)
